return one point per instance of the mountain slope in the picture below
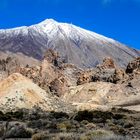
(23, 59)
(75, 45)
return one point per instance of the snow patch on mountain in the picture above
(79, 46)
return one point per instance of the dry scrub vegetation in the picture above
(117, 124)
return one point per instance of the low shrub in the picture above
(39, 136)
(84, 115)
(18, 131)
(58, 115)
(64, 126)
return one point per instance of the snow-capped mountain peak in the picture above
(48, 21)
(74, 44)
(53, 27)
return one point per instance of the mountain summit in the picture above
(74, 44)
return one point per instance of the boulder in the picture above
(133, 65)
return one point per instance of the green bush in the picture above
(101, 117)
(118, 116)
(39, 136)
(2, 131)
(64, 126)
(18, 131)
(93, 116)
(84, 115)
(58, 115)
(18, 114)
(58, 136)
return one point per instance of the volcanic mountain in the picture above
(75, 45)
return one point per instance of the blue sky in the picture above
(118, 19)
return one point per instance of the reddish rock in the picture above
(59, 86)
(119, 76)
(108, 63)
(133, 65)
(85, 77)
(52, 57)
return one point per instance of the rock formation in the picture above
(105, 86)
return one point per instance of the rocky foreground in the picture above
(54, 82)
(48, 99)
